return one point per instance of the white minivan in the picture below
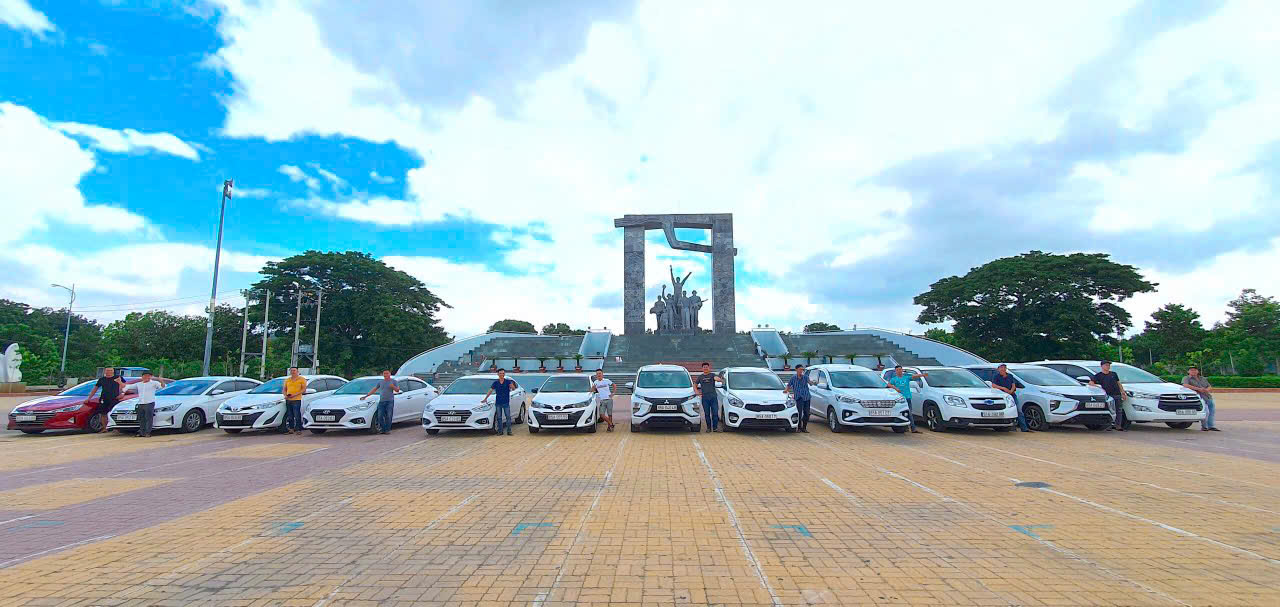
(1149, 398)
(855, 396)
(663, 396)
(345, 410)
(754, 397)
(1049, 398)
(564, 400)
(953, 397)
(262, 408)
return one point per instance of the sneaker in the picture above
(914, 431)
(508, 433)
(1214, 429)
(1204, 429)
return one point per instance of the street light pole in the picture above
(66, 334)
(213, 292)
(297, 327)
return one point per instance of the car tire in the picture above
(318, 430)
(933, 418)
(433, 431)
(833, 422)
(192, 421)
(632, 427)
(899, 430)
(695, 428)
(791, 428)
(33, 431)
(1035, 418)
(232, 430)
(94, 425)
(591, 428)
(533, 430)
(1179, 425)
(1097, 427)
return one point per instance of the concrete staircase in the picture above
(720, 350)
(837, 346)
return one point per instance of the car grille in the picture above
(1180, 404)
(1092, 398)
(41, 417)
(667, 401)
(464, 414)
(336, 413)
(669, 421)
(764, 408)
(982, 405)
(878, 404)
(986, 421)
(877, 420)
(751, 422)
(574, 416)
(1091, 418)
(128, 422)
(248, 420)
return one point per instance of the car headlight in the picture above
(1141, 408)
(955, 401)
(736, 402)
(483, 407)
(849, 400)
(428, 408)
(1143, 395)
(363, 405)
(168, 408)
(583, 403)
(900, 401)
(67, 409)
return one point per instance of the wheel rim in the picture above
(191, 422)
(95, 423)
(1035, 418)
(831, 419)
(934, 422)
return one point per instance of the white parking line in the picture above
(1205, 474)
(733, 519)
(14, 520)
(40, 471)
(42, 552)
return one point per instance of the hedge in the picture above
(1234, 381)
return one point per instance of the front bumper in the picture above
(736, 417)
(162, 419)
(458, 419)
(973, 418)
(342, 419)
(875, 416)
(1157, 411)
(257, 419)
(573, 418)
(45, 420)
(647, 415)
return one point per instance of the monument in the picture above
(681, 310)
(11, 370)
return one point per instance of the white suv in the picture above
(1049, 398)
(262, 408)
(663, 396)
(187, 404)
(754, 397)
(564, 401)
(853, 395)
(1149, 398)
(953, 397)
(459, 406)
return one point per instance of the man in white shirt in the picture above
(604, 395)
(146, 407)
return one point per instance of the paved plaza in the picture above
(1069, 517)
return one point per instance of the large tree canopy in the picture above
(39, 333)
(512, 326)
(372, 317)
(1174, 330)
(820, 327)
(560, 328)
(1035, 305)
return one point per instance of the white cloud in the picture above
(1208, 288)
(242, 192)
(19, 15)
(129, 140)
(297, 175)
(334, 180)
(380, 178)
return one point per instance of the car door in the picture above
(410, 400)
(918, 387)
(818, 392)
(211, 400)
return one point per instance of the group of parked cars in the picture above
(843, 396)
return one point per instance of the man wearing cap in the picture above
(1005, 383)
(1110, 383)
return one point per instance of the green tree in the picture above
(1173, 331)
(373, 317)
(513, 326)
(1251, 333)
(559, 328)
(39, 331)
(1034, 305)
(820, 327)
(942, 335)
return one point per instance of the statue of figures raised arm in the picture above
(11, 370)
(694, 305)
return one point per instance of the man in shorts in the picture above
(110, 385)
(604, 397)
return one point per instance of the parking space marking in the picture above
(43, 552)
(1029, 529)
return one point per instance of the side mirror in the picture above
(631, 384)
(822, 384)
(534, 390)
(1082, 379)
(311, 391)
(217, 392)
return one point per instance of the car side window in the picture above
(983, 374)
(823, 382)
(226, 386)
(409, 385)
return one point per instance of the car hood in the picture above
(48, 403)
(973, 392)
(161, 401)
(245, 400)
(1076, 390)
(663, 393)
(764, 397)
(560, 398)
(869, 393)
(1162, 388)
(457, 401)
(342, 401)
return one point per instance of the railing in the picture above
(768, 341)
(428, 361)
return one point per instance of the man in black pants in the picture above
(798, 387)
(1110, 383)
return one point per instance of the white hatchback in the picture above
(262, 408)
(855, 396)
(187, 404)
(344, 409)
(754, 397)
(953, 397)
(459, 408)
(564, 401)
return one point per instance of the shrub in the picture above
(1234, 381)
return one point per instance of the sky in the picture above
(866, 149)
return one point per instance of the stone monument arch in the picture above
(634, 310)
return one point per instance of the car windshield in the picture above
(186, 387)
(80, 390)
(742, 380)
(275, 386)
(663, 379)
(856, 379)
(470, 385)
(566, 384)
(529, 382)
(1044, 377)
(1134, 375)
(954, 378)
(359, 386)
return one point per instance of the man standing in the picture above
(146, 407)
(501, 389)
(604, 397)
(1196, 382)
(110, 386)
(706, 386)
(1005, 383)
(798, 388)
(1110, 383)
(387, 390)
(902, 383)
(294, 387)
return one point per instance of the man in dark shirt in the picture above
(798, 388)
(110, 386)
(1110, 383)
(706, 386)
(501, 389)
(1005, 383)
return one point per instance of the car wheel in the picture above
(791, 428)
(933, 418)
(833, 422)
(192, 421)
(33, 431)
(633, 427)
(1179, 425)
(231, 430)
(591, 429)
(533, 430)
(695, 428)
(433, 431)
(318, 430)
(1096, 427)
(94, 425)
(899, 429)
(1035, 418)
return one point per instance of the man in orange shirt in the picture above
(294, 387)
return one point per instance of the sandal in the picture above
(610, 429)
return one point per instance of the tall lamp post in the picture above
(66, 334)
(213, 292)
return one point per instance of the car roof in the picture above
(840, 367)
(662, 367)
(995, 365)
(760, 369)
(928, 367)
(310, 377)
(584, 374)
(217, 377)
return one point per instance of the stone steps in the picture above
(838, 346)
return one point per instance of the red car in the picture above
(68, 410)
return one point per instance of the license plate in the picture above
(767, 416)
(326, 418)
(1095, 405)
(127, 417)
(450, 418)
(993, 413)
(233, 418)
(557, 416)
(666, 407)
(1186, 411)
(26, 418)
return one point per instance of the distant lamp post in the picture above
(213, 292)
(66, 334)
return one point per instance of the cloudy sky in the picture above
(866, 149)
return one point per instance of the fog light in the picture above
(847, 414)
(482, 421)
(733, 417)
(1054, 404)
(358, 420)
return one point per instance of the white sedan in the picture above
(345, 411)
(187, 404)
(262, 408)
(564, 401)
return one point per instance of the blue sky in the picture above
(866, 151)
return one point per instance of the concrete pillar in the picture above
(633, 304)
(723, 306)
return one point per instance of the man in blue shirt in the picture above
(1005, 383)
(798, 387)
(902, 383)
(501, 389)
